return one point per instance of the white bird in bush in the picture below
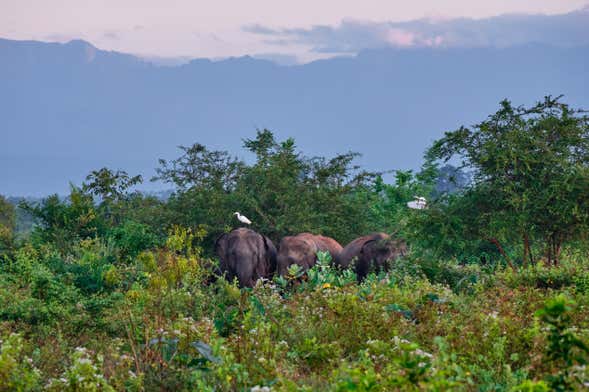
(242, 218)
(418, 204)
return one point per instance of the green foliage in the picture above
(132, 238)
(7, 213)
(126, 276)
(108, 185)
(7, 225)
(155, 324)
(565, 349)
(531, 176)
(83, 375)
(62, 223)
(282, 192)
(531, 386)
(17, 372)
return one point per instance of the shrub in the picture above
(565, 349)
(17, 372)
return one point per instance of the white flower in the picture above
(423, 353)
(258, 388)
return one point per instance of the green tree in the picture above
(64, 222)
(531, 174)
(109, 185)
(7, 224)
(282, 192)
(201, 168)
(287, 193)
(112, 188)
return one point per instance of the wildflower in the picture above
(258, 388)
(423, 353)
(326, 286)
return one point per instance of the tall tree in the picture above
(112, 187)
(531, 172)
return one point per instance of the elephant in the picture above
(374, 252)
(246, 255)
(302, 250)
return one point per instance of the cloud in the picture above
(114, 35)
(351, 36)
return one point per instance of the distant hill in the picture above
(66, 109)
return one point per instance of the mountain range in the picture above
(67, 109)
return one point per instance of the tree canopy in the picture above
(530, 174)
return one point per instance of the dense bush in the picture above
(155, 324)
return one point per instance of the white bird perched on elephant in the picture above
(242, 218)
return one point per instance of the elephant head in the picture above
(378, 254)
(245, 255)
(373, 252)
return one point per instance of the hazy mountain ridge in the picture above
(66, 109)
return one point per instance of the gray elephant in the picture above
(302, 250)
(246, 255)
(374, 252)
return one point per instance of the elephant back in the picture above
(328, 244)
(299, 249)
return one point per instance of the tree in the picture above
(288, 193)
(201, 168)
(113, 190)
(109, 185)
(64, 222)
(530, 173)
(7, 224)
(282, 191)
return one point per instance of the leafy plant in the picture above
(564, 349)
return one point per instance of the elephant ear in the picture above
(221, 246)
(364, 246)
(375, 246)
(270, 253)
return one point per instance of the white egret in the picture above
(242, 218)
(418, 204)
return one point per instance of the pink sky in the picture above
(196, 28)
